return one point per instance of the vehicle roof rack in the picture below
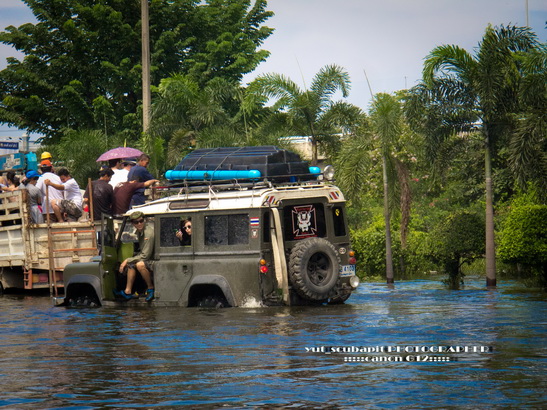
(242, 164)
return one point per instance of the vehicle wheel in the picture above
(314, 268)
(84, 301)
(338, 300)
(215, 302)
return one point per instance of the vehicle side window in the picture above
(338, 221)
(168, 229)
(227, 229)
(304, 221)
(266, 227)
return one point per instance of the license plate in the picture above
(347, 270)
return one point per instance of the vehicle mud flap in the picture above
(280, 263)
(314, 267)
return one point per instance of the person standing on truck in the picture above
(142, 262)
(46, 155)
(141, 174)
(103, 194)
(70, 208)
(34, 196)
(120, 175)
(123, 194)
(54, 194)
(116, 165)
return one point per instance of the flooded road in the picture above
(416, 346)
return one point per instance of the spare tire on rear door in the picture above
(314, 268)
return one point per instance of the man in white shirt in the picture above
(54, 194)
(71, 207)
(120, 175)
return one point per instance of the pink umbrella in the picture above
(120, 152)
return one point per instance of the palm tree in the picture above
(182, 105)
(378, 135)
(488, 83)
(528, 146)
(386, 117)
(310, 112)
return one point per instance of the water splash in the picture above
(251, 302)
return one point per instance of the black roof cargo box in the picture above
(272, 162)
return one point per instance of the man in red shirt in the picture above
(124, 192)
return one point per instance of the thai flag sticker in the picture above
(255, 222)
(334, 195)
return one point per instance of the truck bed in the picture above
(38, 252)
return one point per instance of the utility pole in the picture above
(146, 95)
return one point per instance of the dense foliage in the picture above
(523, 239)
(415, 168)
(457, 240)
(82, 64)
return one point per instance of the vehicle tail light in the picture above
(352, 260)
(263, 266)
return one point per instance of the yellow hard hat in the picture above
(45, 155)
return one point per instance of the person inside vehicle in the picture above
(184, 234)
(142, 262)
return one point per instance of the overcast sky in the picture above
(386, 38)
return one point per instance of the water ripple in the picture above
(257, 356)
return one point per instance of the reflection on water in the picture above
(257, 356)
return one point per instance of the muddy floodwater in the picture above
(415, 346)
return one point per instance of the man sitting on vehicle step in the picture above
(142, 262)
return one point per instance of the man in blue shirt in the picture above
(140, 173)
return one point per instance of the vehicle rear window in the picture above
(227, 229)
(304, 221)
(338, 221)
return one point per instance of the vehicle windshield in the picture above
(125, 231)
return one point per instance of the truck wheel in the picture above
(213, 302)
(314, 268)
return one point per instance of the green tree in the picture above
(309, 112)
(528, 145)
(386, 119)
(187, 116)
(522, 239)
(378, 141)
(457, 240)
(182, 109)
(484, 91)
(370, 244)
(82, 66)
(78, 151)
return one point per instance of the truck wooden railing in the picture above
(34, 255)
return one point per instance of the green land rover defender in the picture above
(266, 230)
